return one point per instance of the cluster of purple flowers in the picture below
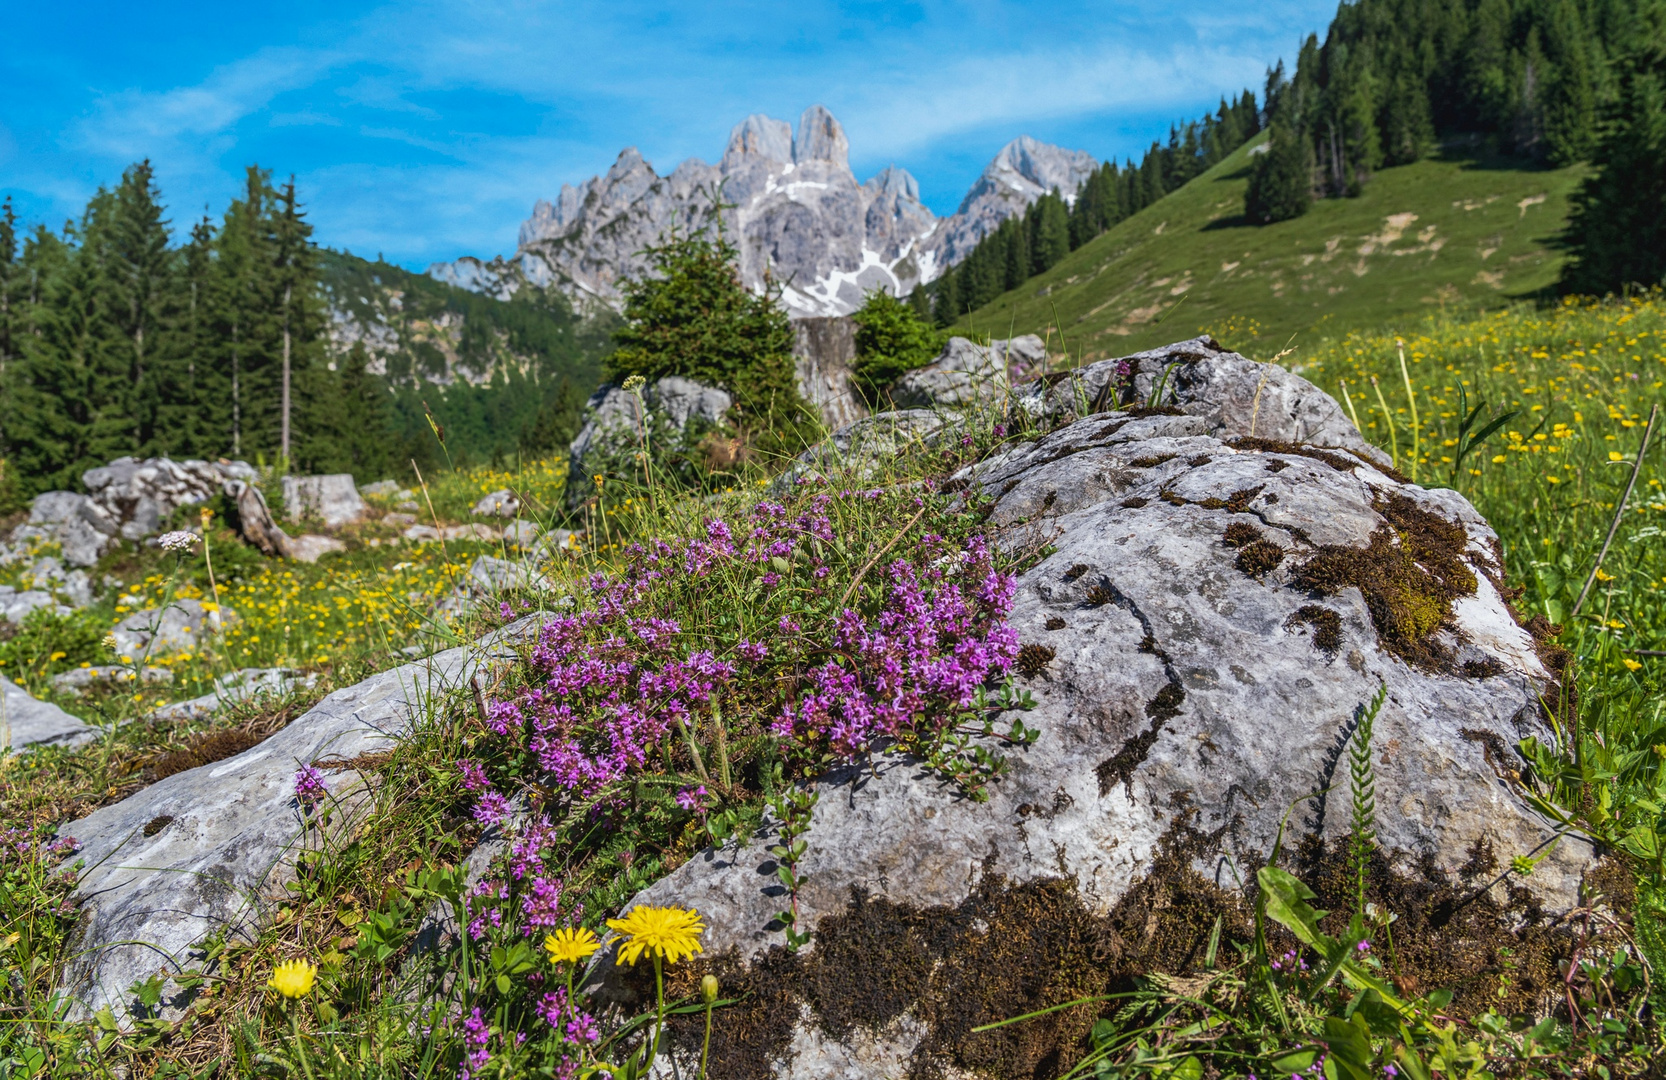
(609, 686)
(610, 683)
(309, 786)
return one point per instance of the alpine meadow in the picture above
(1193, 615)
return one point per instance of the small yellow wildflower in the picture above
(1615, 455)
(1603, 575)
(669, 933)
(570, 945)
(1631, 665)
(293, 978)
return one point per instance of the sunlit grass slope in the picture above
(1446, 233)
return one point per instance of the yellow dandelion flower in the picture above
(670, 933)
(1615, 455)
(1631, 665)
(570, 945)
(293, 978)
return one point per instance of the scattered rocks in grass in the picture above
(73, 587)
(332, 499)
(127, 499)
(165, 631)
(310, 547)
(501, 503)
(78, 679)
(383, 489)
(27, 721)
(17, 606)
(490, 576)
(239, 686)
(520, 533)
(221, 862)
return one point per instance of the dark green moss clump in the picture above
(1259, 557)
(1033, 659)
(1409, 574)
(1327, 626)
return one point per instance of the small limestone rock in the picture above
(421, 533)
(520, 533)
(179, 627)
(18, 605)
(490, 576)
(330, 499)
(379, 488)
(501, 503)
(26, 721)
(239, 686)
(398, 521)
(310, 547)
(966, 372)
(74, 681)
(470, 532)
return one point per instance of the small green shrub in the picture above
(891, 340)
(693, 317)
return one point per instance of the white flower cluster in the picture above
(176, 541)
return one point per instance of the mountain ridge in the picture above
(790, 202)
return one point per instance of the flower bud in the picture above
(708, 988)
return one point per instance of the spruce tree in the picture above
(139, 294)
(1280, 186)
(1052, 233)
(1618, 229)
(693, 317)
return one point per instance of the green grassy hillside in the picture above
(1448, 232)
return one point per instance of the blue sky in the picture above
(426, 130)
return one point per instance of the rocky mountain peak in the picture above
(759, 136)
(820, 138)
(795, 212)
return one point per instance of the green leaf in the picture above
(1295, 1061)
(1287, 903)
(1350, 1047)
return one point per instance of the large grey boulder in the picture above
(127, 499)
(182, 626)
(615, 422)
(140, 494)
(1189, 693)
(332, 499)
(208, 850)
(966, 373)
(26, 721)
(1236, 396)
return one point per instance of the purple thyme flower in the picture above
(309, 786)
